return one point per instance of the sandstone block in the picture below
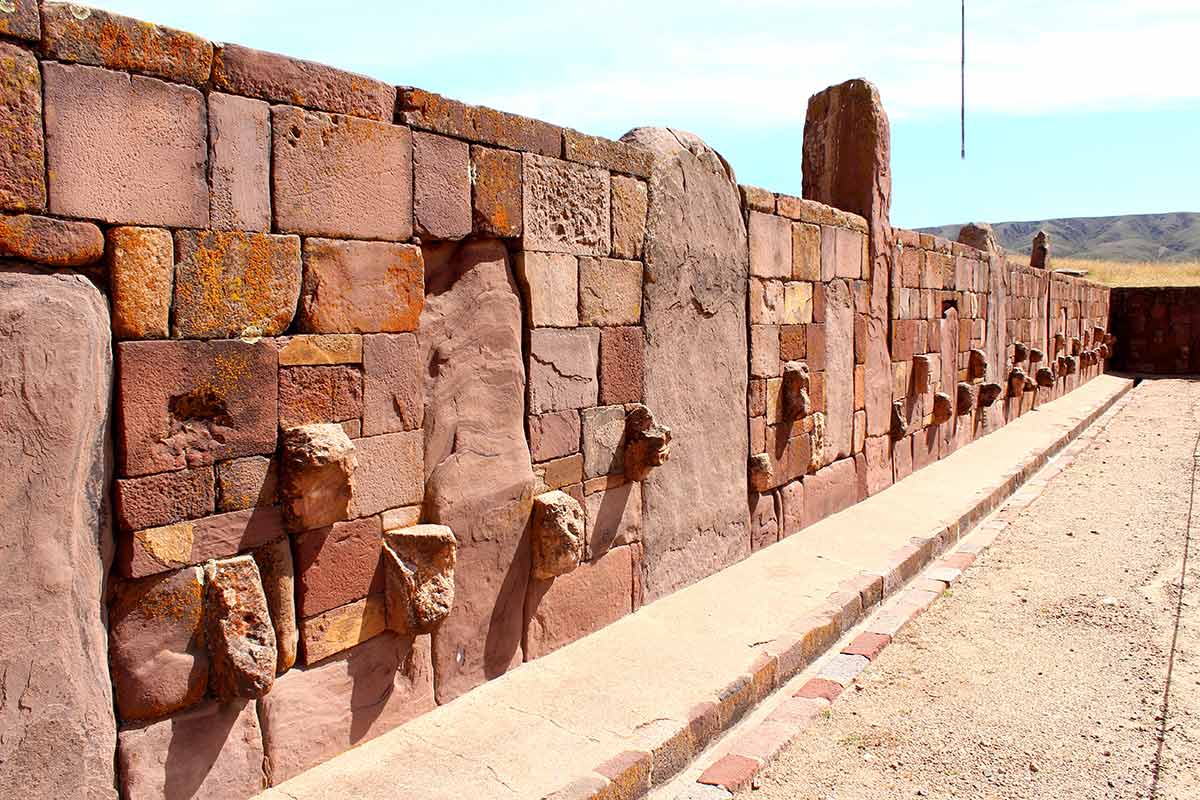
(563, 369)
(557, 531)
(839, 370)
(829, 490)
(393, 383)
(419, 577)
(797, 306)
(156, 643)
(647, 443)
(603, 440)
(239, 163)
(153, 550)
(621, 365)
(794, 388)
(432, 112)
(791, 496)
(610, 291)
(192, 403)
(764, 351)
(53, 242)
(317, 482)
(246, 483)
(442, 186)
(756, 198)
(310, 395)
(596, 151)
(141, 273)
(629, 204)
(340, 176)
(361, 287)
(276, 569)
(574, 605)
(614, 517)
(342, 628)
(554, 435)
(764, 520)
(313, 714)
(550, 282)
(279, 79)
(496, 195)
(770, 246)
(234, 284)
(390, 472)
(320, 349)
(566, 207)
(338, 564)
(841, 253)
(22, 160)
(213, 750)
(806, 252)
(238, 630)
(20, 19)
(164, 498)
(125, 149)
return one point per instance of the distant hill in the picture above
(1133, 237)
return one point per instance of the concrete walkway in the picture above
(639, 698)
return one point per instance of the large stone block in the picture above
(610, 291)
(213, 750)
(125, 149)
(432, 112)
(154, 550)
(393, 384)
(340, 176)
(550, 282)
(496, 195)
(343, 627)
(57, 724)
(49, 241)
(313, 714)
(622, 365)
(277, 571)
(479, 480)
(230, 284)
(317, 482)
(309, 395)
(603, 440)
(419, 575)
(770, 246)
(238, 630)
(557, 530)
(571, 606)
(841, 253)
(22, 159)
(390, 472)
(614, 517)
(567, 207)
(696, 521)
(554, 435)
(563, 369)
(442, 186)
(361, 287)
(21, 20)
(629, 203)
(141, 274)
(239, 163)
(839, 371)
(164, 498)
(830, 490)
(156, 642)
(192, 403)
(338, 564)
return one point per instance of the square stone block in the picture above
(442, 188)
(391, 472)
(393, 383)
(337, 565)
(610, 291)
(563, 369)
(571, 606)
(309, 395)
(566, 207)
(550, 283)
(361, 287)
(841, 253)
(770, 246)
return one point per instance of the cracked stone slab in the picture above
(843, 669)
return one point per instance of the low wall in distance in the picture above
(1157, 329)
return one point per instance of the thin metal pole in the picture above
(962, 119)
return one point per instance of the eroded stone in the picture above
(965, 398)
(558, 528)
(989, 393)
(566, 207)
(22, 160)
(239, 634)
(647, 443)
(276, 570)
(419, 568)
(943, 408)
(794, 393)
(360, 287)
(317, 476)
(53, 242)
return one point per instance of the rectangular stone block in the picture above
(563, 369)
(164, 498)
(337, 565)
(432, 112)
(764, 520)
(791, 496)
(596, 151)
(793, 344)
(610, 291)
(125, 149)
(192, 403)
(830, 490)
(841, 253)
(341, 177)
(391, 472)
(279, 79)
(550, 283)
(630, 201)
(764, 351)
(573, 605)
(141, 274)
(797, 303)
(153, 550)
(614, 518)
(239, 163)
(766, 301)
(806, 252)
(91, 36)
(342, 628)
(442, 186)
(622, 365)
(558, 473)
(366, 691)
(755, 198)
(230, 284)
(566, 207)
(603, 440)
(554, 435)
(309, 395)
(22, 159)
(361, 287)
(20, 20)
(393, 384)
(496, 192)
(246, 483)
(319, 349)
(770, 246)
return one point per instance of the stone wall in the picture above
(1157, 329)
(408, 392)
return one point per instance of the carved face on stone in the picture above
(1020, 352)
(647, 443)
(899, 423)
(943, 408)
(796, 382)
(966, 398)
(989, 393)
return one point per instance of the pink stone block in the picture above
(361, 287)
(22, 159)
(393, 384)
(239, 156)
(830, 490)
(391, 472)
(573, 605)
(442, 186)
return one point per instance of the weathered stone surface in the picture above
(550, 282)
(22, 160)
(989, 393)
(899, 427)
(496, 195)
(554, 435)
(694, 312)
(876, 462)
(622, 365)
(343, 627)
(393, 384)
(277, 573)
(829, 490)
(238, 630)
(610, 291)
(796, 383)
(340, 176)
(279, 79)
(338, 564)
(557, 530)
(164, 498)
(429, 111)
(419, 577)
(1016, 382)
(567, 207)
(572, 606)
(318, 349)
(597, 151)
(360, 287)
(614, 517)
(1039, 256)
(231, 284)
(156, 642)
(647, 443)
(980, 236)
(1020, 352)
(154, 550)
(965, 399)
(841, 253)
(442, 186)
(563, 369)
(1035, 355)
(141, 273)
(311, 395)
(977, 365)
(57, 725)
(192, 403)
(603, 440)
(316, 484)
(770, 246)
(390, 469)
(839, 371)
(629, 202)
(49, 241)
(478, 476)
(764, 520)
(125, 149)
(558, 473)
(20, 19)
(239, 163)
(246, 483)
(806, 252)
(313, 714)
(943, 408)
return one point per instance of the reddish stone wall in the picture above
(1157, 329)
(394, 376)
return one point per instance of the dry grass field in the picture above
(1134, 273)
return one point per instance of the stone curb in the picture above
(665, 747)
(755, 748)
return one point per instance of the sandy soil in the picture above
(1043, 675)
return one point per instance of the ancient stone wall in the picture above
(408, 392)
(1157, 329)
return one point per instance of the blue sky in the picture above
(1074, 108)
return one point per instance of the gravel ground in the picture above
(1043, 675)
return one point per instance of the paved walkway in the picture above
(1042, 674)
(634, 687)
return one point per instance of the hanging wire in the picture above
(962, 117)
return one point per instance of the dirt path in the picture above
(1042, 676)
